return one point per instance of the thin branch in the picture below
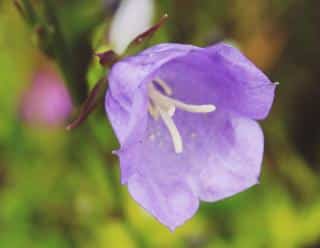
(94, 99)
(150, 32)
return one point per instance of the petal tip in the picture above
(171, 228)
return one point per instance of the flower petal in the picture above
(172, 204)
(222, 156)
(128, 120)
(246, 89)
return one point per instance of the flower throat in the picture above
(163, 106)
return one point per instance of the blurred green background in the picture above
(62, 189)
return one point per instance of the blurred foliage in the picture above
(62, 189)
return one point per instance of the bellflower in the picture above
(185, 118)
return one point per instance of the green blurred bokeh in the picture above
(62, 189)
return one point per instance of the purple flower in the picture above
(47, 101)
(185, 118)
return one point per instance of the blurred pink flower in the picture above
(46, 101)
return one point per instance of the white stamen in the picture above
(167, 101)
(165, 106)
(175, 135)
(153, 111)
(171, 111)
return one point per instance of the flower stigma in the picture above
(163, 106)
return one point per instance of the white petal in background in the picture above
(132, 18)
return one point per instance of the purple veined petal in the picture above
(131, 19)
(172, 204)
(222, 156)
(129, 121)
(247, 89)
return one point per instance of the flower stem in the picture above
(63, 55)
